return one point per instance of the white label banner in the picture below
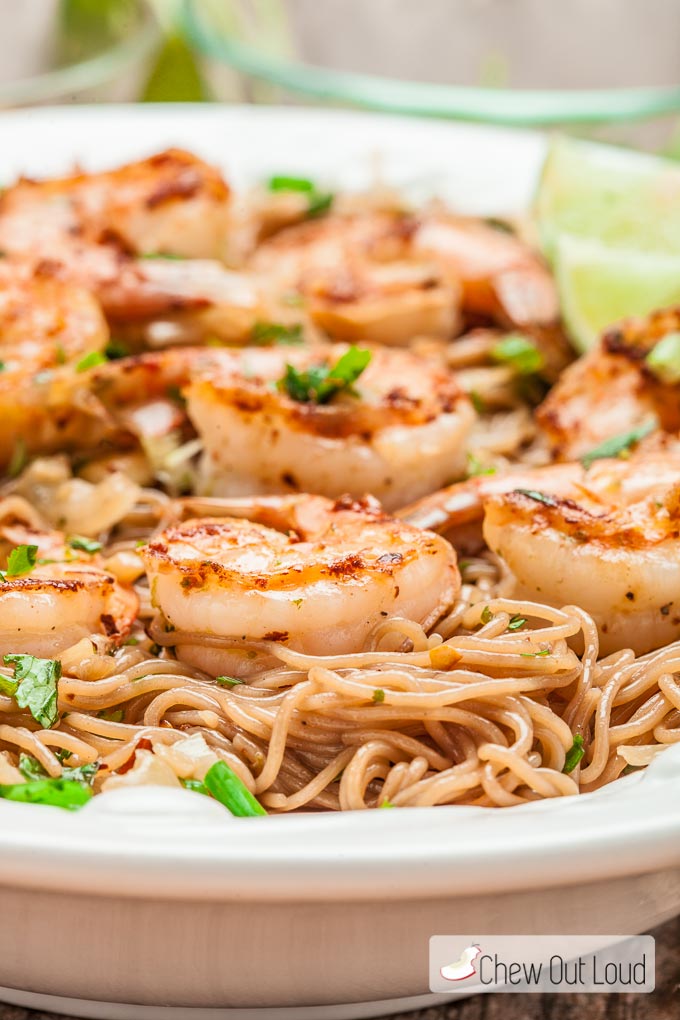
(541, 963)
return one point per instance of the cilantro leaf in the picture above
(615, 446)
(319, 202)
(228, 681)
(540, 497)
(516, 622)
(36, 686)
(31, 768)
(320, 383)
(378, 696)
(487, 615)
(116, 349)
(90, 360)
(574, 754)
(286, 182)
(21, 560)
(87, 545)
(265, 333)
(475, 467)
(519, 353)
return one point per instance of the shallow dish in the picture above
(153, 898)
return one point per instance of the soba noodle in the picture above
(479, 711)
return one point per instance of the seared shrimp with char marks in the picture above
(605, 538)
(623, 383)
(358, 281)
(101, 229)
(314, 575)
(389, 276)
(46, 328)
(58, 596)
(398, 431)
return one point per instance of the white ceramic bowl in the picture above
(158, 898)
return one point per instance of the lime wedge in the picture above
(621, 198)
(599, 284)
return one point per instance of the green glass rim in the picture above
(88, 73)
(511, 107)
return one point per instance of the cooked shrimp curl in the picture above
(310, 574)
(620, 385)
(46, 328)
(398, 432)
(605, 538)
(65, 596)
(118, 233)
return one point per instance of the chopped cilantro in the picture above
(475, 467)
(90, 360)
(487, 615)
(516, 622)
(265, 333)
(31, 768)
(21, 560)
(34, 686)
(286, 182)
(111, 715)
(540, 497)
(477, 402)
(321, 383)
(88, 545)
(519, 353)
(535, 655)
(161, 255)
(318, 202)
(228, 681)
(116, 349)
(615, 446)
(378, 696)
(60, 355)
(386, 804)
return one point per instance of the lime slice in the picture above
(599, 284)
(621, 198)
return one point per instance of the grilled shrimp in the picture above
(400, 431)
(65, 597)
(46, 328)
(358, 281)
(614, 388)
(605, 538)
(389, 276)
(100, 229)
(313, 575)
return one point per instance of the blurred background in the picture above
(598, 67)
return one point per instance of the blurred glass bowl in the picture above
(54, 51)
(513, 62)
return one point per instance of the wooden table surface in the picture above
(663, 1004)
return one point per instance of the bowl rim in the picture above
(85, 74)
(173, 844)
(510, 107)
